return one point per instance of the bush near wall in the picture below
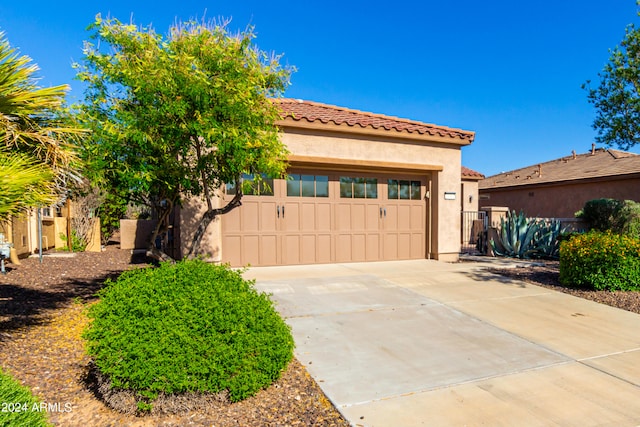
(601, 214)
(187, 327)
(601, 261)
(628, 220)
(619, 216)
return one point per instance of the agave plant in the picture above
(547, 242)
(516, 236)
(522, 237)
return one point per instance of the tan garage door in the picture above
(320, 217)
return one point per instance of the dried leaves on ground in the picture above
(42, 315)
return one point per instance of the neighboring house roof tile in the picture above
(597, 163)
(314, 112)
(470, 173)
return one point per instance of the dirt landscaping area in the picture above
(42, 316)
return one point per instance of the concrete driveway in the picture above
(414, 343)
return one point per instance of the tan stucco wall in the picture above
(355, 147)
(211, 244)
(561, 200)
(94, 244)
(135, 233)
(48, 232)
(20, 234)
(61, 227)
(469, 195)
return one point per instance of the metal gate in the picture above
(473, 235)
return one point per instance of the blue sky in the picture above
(510, 71)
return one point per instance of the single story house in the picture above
(559, 188)
(361, 187)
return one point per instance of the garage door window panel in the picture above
(403, 190)
(252, 186)
(307, 186)
(358, 188)
(416, 190)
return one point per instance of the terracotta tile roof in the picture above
(594, 164)
(299, 110)
(470, 173)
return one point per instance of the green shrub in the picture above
(601, 260)
(110, 211)
(600, 213)
(622, 217)
(628, 219)
(77, 243)
(187, 327)
(19, 406)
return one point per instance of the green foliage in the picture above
(19, 406)
(616, 98)
(78, 244)
(601, 214)
(184, 327)
(522, 237)
(621, 217)
(111, 210)
(628, 219)
(548, 239)
(601, 260)
(179, 116)
(35, 132)
(24, 184)
(516, 236)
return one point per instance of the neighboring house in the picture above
(559, 188)
(469, 190)
(361, 187)
(23, 231)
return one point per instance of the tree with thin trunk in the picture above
(176, 117)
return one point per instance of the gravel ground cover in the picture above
(547, 273)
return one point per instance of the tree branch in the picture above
(210, 215)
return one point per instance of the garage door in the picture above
(321, 217)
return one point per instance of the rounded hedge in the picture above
(601, 260)
(187, 327)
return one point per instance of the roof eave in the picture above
(289, 122)
(562, 182)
